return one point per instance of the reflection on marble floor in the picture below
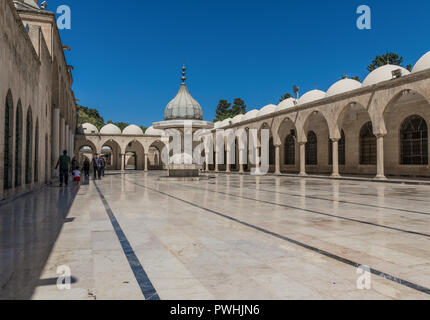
(231, 237)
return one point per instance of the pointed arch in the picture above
(312, 149)
(367, 145)
(414, 141)
(18, 145)
(28, 146)
(8, 142)
(36, 152)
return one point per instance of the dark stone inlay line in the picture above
(142, 278)
(378, 273)
(318, 212)
(342, 201)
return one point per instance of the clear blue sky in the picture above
(127, 55)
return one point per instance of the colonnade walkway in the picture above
(132, 236)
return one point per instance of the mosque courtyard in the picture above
(133, 236)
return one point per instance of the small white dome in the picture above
(343, 86)
(383, 73)
(311, 96)
(267, 110)
(250, 115)
(133, 130)
(238, 118)
(286, 104)
(423, 63)
(154, 132)
(110, 129)
(88, 128)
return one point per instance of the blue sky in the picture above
(127, 55)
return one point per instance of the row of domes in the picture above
(111, 129)
(378, 75)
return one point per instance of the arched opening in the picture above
(36, 153)
(414, 141)
(28, 147)
(46, 159)
(8, 142)
(406, 143)
(350, 123)
(317, 133)
(271, 152)
(154, 156)
(367, 145)
(312, 149)
(341, 150)
(18, 145)
(134, 156)
(111, 152)
(289, 149)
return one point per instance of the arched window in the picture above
(8, 142)
(28, 146)
(271, 152)
(36, 153)
(341, 150)
(18, 146)
(414, 141)
(290, 151)
(367, 145)
(312, 149)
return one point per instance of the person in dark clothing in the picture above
(75, 164)
(102, 166)
(64, 164)
(87, 167)
(96, 167)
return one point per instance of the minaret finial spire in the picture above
(183, 74)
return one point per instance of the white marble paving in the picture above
(190, 251)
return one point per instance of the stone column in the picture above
(380, 173)
(302, 158)
(146, 162)
(55, 142)
(61, 135)
(277, 159)
(335, 157)
(228, 165)
(67, 139)
(122, 162)
(216, 162)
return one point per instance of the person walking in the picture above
(64, 164)
(96, 167)
(87, 167)
(102, 166)
(75, 163)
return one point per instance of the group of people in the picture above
(67, 166)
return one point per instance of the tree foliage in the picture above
(285, 97)
(388, 58)
(225, 109)
(353, 78)
(87, 115)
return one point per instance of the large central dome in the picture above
(183, 106)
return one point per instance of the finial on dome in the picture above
(183, 74)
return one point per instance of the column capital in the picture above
(380, 135)
(335, 139)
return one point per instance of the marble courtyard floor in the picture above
(232, 237)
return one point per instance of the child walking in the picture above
(77, 175)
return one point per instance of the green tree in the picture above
(239, 107)
(222, 110)
(285, 97)
(353, 78)
(388, 58)
(87, 115)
